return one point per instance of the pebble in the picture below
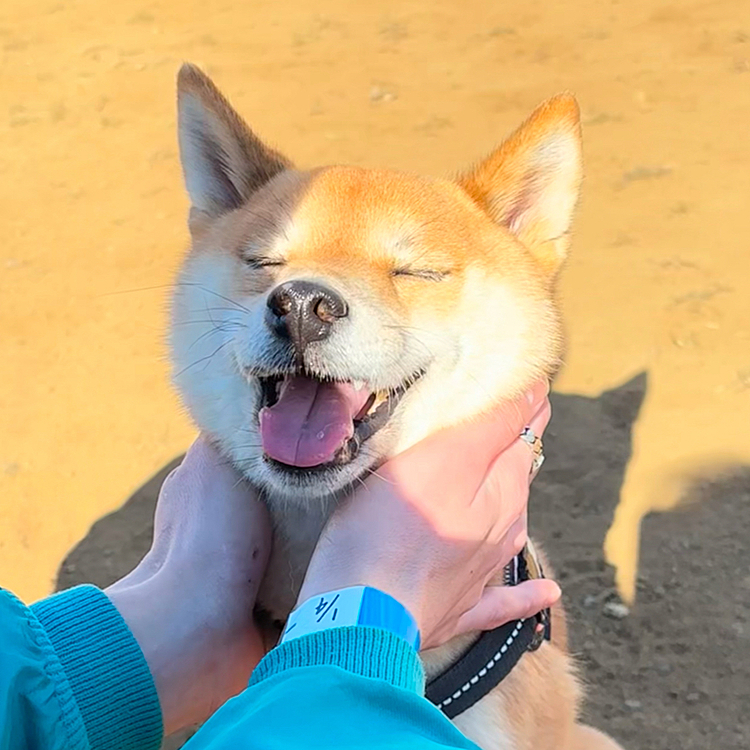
(380, 94)
(615, 610)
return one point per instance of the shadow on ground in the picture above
(672, 673)
(675, 671)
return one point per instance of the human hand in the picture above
(189, 602)
(436, 523)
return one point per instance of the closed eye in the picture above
(260, 262)
(421, 273)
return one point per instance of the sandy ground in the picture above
(93, 218)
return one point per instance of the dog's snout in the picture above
(303, 312)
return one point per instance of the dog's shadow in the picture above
(686, 610)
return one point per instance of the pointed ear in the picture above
(530, 184)
(623, 403)
(222, 159)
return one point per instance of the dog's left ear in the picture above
(530, 184)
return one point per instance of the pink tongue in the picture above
(310, 421)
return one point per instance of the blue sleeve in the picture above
(355, 688)
(72, 677)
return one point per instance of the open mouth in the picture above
(311, 424)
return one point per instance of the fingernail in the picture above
(538, 393)
(555, 594)
(203, 450)
(199, 445)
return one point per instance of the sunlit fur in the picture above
(476, 325)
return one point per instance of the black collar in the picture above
(495, 653)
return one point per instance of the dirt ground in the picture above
(673, 672)
(93, 218)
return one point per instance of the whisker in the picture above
(363, 483)
(132, 291)
(215, 329)
(215, 293)
(199, 321)
(206, 359)
(374, 473)
(246, 446)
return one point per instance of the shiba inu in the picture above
(325, 320)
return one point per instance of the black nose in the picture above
(303, 312)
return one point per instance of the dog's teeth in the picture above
(380, 397)
(359, 385)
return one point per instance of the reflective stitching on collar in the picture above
(490, 664)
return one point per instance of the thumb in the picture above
(502, 604)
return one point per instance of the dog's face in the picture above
(324, 320)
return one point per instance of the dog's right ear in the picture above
(223, 161)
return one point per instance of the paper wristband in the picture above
(358, 605)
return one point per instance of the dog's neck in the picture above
(296, 530)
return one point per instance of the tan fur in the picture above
(449, 280)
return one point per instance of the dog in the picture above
(324, 320)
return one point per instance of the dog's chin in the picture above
(301, 485)
(298, 485)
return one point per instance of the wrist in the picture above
(172, 638)
(105, 667)
(352, 606)
(340, 561)
(145, 610)
(199, 641)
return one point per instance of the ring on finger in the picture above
(535, 443)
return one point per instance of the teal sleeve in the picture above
(355, 688)
(73, 677)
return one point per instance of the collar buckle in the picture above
(533, 570)
(542, 630)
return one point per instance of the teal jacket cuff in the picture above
(105, 667)
(369, 652)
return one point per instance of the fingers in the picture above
(517, 536)
(488, 434)
(520, 452)
(203, 465)
(541, 418)
(204, 487)
(202, 456)
(472, 445)
(506, 485)
(501, 604)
